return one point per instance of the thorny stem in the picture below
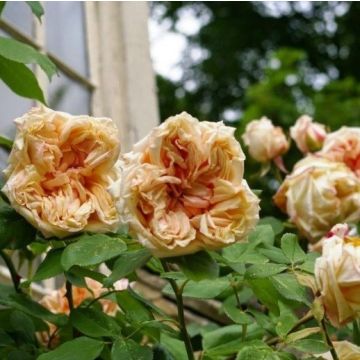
(15, 277)
(181, 317)
(69, 295)
(328, 340)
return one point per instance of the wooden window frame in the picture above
(121, 80)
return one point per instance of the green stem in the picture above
(244, 326)
(302, 321)
(101, 297)
(15, 277)
(244, 331)
(181, 317)
(328, 340)
(356, 332)
(69, 295)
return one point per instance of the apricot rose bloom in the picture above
(308, 135)
(318, 194)
(337, 273)
(182, 188)
(265, 141)
(57, 302)
(59, 170)
(344, 146)
(345, 350)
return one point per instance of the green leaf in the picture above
(19, 355)
(286, 320)
(204, 289)
(174, 275)
(276, 224)
(237, 315)
(28, 306)
(92, 250)
(20, 79)
(36, 8)
(264, 270)
(227, 341)
(309, 264)
(130, 350)
(134, 310)
(94, 323)
(301, 334)
(243, 253)
(174, 346)
(2, 5)
(50, 267)
(126, 264)
(292, 249)
(311, 346)
(6, 143)
(256, 352)
(265, 291)
(81, 348)
(356, 332)
(262, 234)
(289, 288)
(15, 231)
(198, 266)
(80, 272)
(22, 324)
(275, 255)
(14, 50)
(5, 339)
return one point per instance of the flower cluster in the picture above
(181, 189)
(324, 187)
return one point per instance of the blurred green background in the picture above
(278, 59)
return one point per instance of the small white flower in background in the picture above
(337, 274)
(308, 135)
(265, 141)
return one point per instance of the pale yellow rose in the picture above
(345, 350)
(344, 146)
(182, 188)
(308, 135)
(337, 274)
(57, 303)
(318, 194)
(59, 170)
(264, 140)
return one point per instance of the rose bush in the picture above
(178, 206)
